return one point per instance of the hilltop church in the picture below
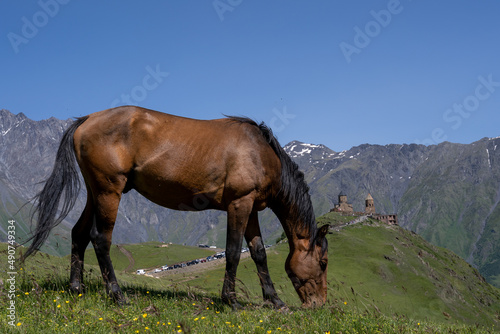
(346, 208)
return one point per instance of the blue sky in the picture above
(340, 73)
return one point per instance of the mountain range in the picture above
(448, 193)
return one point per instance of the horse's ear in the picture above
(323, 231)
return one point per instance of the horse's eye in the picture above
(323, 264)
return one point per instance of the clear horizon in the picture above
(332, 73)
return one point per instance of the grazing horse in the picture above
(231, 164)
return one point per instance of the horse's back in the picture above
(172, 160)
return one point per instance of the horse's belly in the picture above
(182, 200)
(180, 193)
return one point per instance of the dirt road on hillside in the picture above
(195, 268)
(131, 261)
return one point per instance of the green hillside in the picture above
(381, 278)
(378, 268)
(398, 272)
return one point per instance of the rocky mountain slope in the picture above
(448, 193)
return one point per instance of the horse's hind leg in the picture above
(258, 252)
(106, 209)
(80, 238)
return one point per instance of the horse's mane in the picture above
(294, 191)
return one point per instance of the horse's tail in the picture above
(63, 180)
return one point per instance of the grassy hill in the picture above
(381, 278)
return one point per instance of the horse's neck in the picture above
(292, 224)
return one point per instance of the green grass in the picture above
(49, 308)
(381, 280)
(335, 219)
(153, 311)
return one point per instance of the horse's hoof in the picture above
(76, 288)
(236, 306)
(281, 306)
(123, 302)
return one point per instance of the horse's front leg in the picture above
(237, 220)
(258, 252)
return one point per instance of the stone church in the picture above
(346, 208)
(343, 206)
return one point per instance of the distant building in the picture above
(346, 208)
(343, 206)
(369, 205)
(388, 219)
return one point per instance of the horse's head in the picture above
(306, 266)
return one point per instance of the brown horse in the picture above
(230, 164)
